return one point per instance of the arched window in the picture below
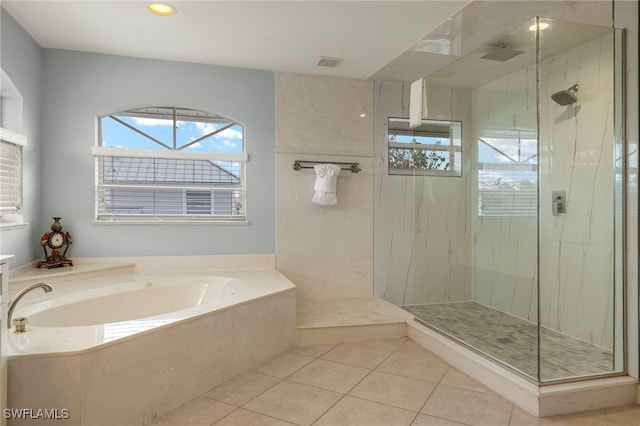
(168, 164)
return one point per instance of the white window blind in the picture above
(10, 171)
(507, 190)
(188, 187)
(507, 176)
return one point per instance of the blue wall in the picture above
(71, 89)
(21, 60)
(78, 87)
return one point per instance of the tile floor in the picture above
(379, 382)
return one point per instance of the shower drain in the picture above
(504, 340)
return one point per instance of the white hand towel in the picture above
(417, 103)
(325, 185)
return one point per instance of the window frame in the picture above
(453, 149)
(237, 169)
(13, 178)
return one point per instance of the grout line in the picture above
(178, 408)
(386, 405)
(225, 416)
(329, 409)
(335, 345)
(434, 389)
(314, 386)
(265, 415)
(353, 387)
(511, 414)
(391, 374)
(280, 380)
(346, 393)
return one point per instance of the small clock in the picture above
(55, 240)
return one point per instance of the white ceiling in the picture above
(274, 35)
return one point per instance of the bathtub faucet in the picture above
(15, 299)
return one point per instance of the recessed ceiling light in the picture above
(161, 9)
(539, 26)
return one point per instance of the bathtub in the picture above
(86, 319)
(129, 352)
(132, 301)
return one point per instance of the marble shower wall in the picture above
(431, 246)
(505, 249)
(326, 251)
(422, 224)
(577, 264)
(576, 155)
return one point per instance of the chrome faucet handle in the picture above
(16, 298)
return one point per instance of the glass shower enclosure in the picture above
(529, 269)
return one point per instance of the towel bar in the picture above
(298, 164)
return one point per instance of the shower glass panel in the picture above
(520, 257)
(581, 158)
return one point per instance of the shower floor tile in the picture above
(513, 341)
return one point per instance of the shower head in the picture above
(566, 97)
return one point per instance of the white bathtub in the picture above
(85, 319)
(110, 353)
(132, 301)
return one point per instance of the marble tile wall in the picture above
(394, 199)
(326, 251)
(422, 245)
(576, 264)
(505, 249)
(576, 155)
(430, 246)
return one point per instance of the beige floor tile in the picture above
(458, 379)
(284, 365)
(424, 420)
(242, 417)
(352, 411)
(242, 389)
(358, 354)
(392, 394)
(313, 350)
(293, 402)
(469, 407)
(422, 366)
(199, 412)
(330, 375)
(623, 416)
(519, 417)
(398, 391)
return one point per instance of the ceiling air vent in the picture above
(501, 54)
(327, 61)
